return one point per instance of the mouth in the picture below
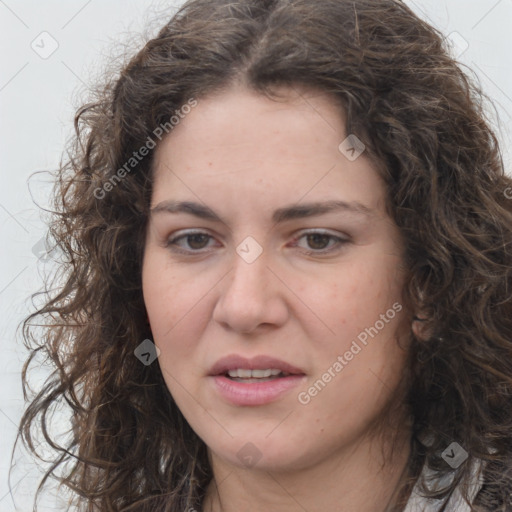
(253, 376)
(257, 381)
(259, 368)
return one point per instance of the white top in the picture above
(418, 503)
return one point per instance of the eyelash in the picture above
(339, 241)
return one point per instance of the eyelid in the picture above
(322, 231)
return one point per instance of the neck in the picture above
(363, 478)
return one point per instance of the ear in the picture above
(420, 327)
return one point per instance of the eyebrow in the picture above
(280, 215)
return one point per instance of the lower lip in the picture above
(255, 393)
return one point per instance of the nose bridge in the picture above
(250, 296)
(248, 277)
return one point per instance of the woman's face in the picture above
(269, 248)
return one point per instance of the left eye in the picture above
(318, 241)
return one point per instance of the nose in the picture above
(251, 297)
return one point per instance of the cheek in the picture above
(171, 299)
(353, 297)
(176, 314)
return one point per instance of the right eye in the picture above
(189, 242)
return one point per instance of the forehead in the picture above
(245, 143)
(239, 119)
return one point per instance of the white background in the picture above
(38, 97)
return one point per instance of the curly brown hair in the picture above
(423, 122)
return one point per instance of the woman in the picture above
(287, 288)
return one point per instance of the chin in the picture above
(261, 454)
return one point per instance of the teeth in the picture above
(257, 374)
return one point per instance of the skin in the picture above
(244, 156)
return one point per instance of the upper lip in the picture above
(261, 362)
